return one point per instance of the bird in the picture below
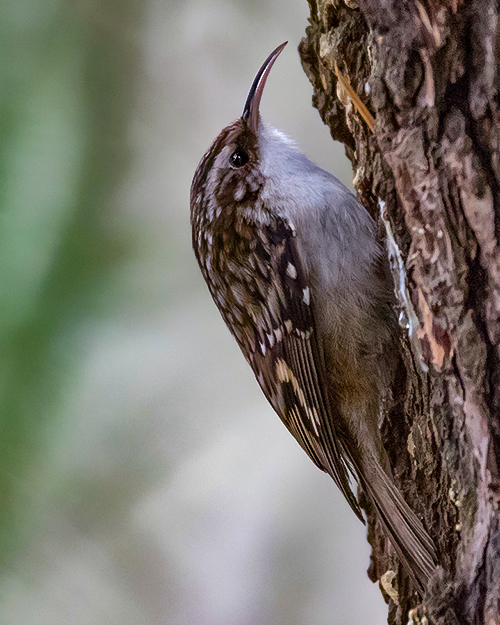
(294, 265)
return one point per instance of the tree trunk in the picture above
(411, 87)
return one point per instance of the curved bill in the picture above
(251, 110)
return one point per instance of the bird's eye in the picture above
(238, 158)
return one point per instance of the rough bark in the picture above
(411, 87)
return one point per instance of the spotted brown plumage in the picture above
(293, 263)
(255, 276)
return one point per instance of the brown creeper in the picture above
(294, 265)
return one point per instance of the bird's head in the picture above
(231, 171)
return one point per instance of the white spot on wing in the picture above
(291, 271)
(306, 296)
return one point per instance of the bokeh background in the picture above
(143, 477)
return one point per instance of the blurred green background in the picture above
(143, 477)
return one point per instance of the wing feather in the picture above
(290, 367)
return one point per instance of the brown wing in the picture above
(288, 361)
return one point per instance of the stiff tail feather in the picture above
(413, 544)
